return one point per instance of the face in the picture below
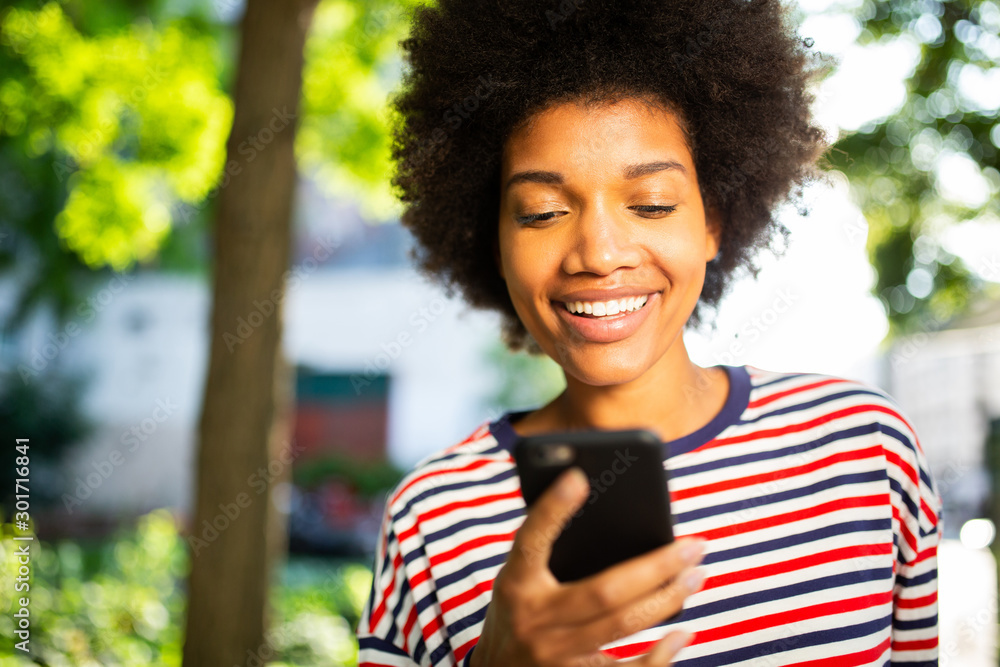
(603, 236)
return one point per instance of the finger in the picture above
(631, 580)
(638, 616)
(545, 520)
(665, 650)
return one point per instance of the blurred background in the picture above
(122, 147)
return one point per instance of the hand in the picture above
(534, 620)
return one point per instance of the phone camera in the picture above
(553, 455)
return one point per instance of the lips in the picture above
(608, 328)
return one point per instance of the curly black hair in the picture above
(733, 71)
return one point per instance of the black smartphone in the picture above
(628, 510)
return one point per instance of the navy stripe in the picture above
(758, 502)
(915, 624)
(453, 486)
(468, 570)
(924, 578)
(381, 645)
(867, 525)
(448, 531)
(784, 644)
(767, 455)
(808, 405)
(782, 592)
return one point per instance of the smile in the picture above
(605, 321)
(606, 308)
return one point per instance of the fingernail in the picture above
(679, 642)
(575, 479)
(692, 550)
(693, 580)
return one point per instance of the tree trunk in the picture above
(237, 533)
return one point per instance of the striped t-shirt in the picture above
(812, 491)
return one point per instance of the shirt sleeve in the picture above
(388, 634)
(916, 509)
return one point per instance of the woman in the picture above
(598, 173)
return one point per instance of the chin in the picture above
(602, 372)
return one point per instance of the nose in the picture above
(602, 241)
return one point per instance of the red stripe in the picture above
(750, 480)
(907, 469)
(792, 616)
(445, 556)
(772, 620)
(465, 596)
(474, 502)
(408, 626)
(431, 628)
(440, 473)
(926, 509)
(930, 552)
(795, 428)
(915, 645)
(904, 530)
(397, 561)
(843, 553)
(796, 515)
(850, 660)
(791, 392)
(462, 650)
(916, 603)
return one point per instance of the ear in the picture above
(713, 233)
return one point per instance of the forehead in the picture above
(576, 134)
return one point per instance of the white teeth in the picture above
(607, 308)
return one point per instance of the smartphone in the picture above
(628, 510)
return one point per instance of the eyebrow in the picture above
(630, 172)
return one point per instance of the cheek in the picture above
(680, 255)
(525, 266)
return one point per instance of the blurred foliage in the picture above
(947, 125)
(522, 380)
(117, 605)
(352, 63)
(113, 126)
(122, 603)
(49, 413)
(102, 135)
(369, 478)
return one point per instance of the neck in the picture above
(673, 398)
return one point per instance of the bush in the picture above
(122, 603)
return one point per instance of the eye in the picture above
(654, 208)
(537, 217)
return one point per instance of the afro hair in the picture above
(734, 72)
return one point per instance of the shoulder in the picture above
(825, 396)
(476, 460)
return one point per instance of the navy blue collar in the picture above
(732, 410)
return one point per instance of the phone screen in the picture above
(627, 512)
